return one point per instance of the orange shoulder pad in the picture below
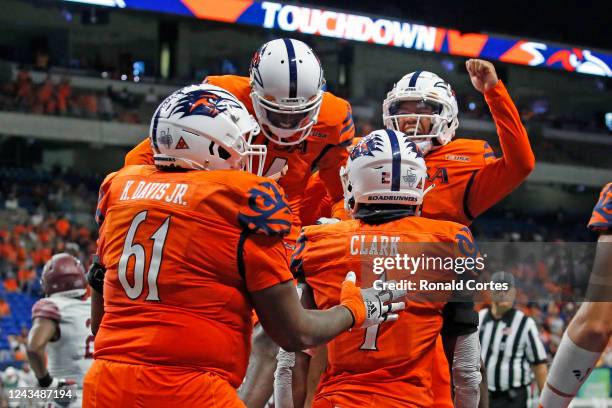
(601, 219)
(102, 205)
(141, 154)
(336, 119)
(239, 86)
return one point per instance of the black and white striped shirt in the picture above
(509, 347)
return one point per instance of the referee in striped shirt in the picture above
(511, 349)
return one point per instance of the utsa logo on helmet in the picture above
(205, 102)
(255, 64)
(269, 213)
(367, 146)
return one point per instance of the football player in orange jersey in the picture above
(590, 330)
(468, 178)
(187, 253)
(385, 367)
(304, 128)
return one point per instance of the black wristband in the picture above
(95, 276)
(45, 381)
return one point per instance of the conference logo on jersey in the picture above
(318, 134)
(459, 158)
(268, 212)
(367, 146)
(205, 103)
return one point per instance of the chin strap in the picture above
(376, 215)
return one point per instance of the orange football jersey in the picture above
(317, 202)
(325, 148)
(452, 168)
(182, 251)
(601, 219)
(392, 361)
(468, 178)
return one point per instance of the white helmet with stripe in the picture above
(204, 127)
(433, 100)
(385, 167)
(286, 89)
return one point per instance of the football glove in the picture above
(370, 307)
(95, 276)
(52, 382)
(325, 220)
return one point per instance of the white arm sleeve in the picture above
(466, 371)
(283, 393)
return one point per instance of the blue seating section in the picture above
(20, 316)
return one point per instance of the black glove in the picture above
(50, 382)
(95, 276)
(65, 397)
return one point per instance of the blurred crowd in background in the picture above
(60, 98)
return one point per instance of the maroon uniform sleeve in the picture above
(47, 309)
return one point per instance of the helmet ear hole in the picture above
(224, 154)
(351, 202)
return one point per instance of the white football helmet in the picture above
(434, 99)
(286, 90)
(204, 127)
(385, 167)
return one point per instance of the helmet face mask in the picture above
(286, 90)
(204, 127)
(424, 107)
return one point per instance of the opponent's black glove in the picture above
(95, 276)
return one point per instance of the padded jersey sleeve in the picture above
(265, 219)
(103, 198)
(264, 261)
(459, 316)
(46, 309)
(501, 176)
